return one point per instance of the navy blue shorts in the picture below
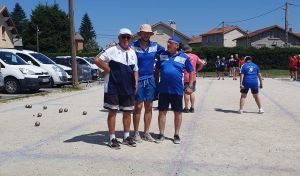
(166, 99)
(245, 91)
(146, 90)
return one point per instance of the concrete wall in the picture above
(216, 39)
(6, 42)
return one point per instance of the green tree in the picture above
(19, 18)
(48, 30)
(91, 46)
(86, 30)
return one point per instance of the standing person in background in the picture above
(298, 65)
(291, 67)
(195, 60)
(217, 64)
(295, 67)
(223, 67)
(204, 69)
(119, 64)
(146, 51)
(236, 66)
(170, 69)
(248, 80)
(230, 63)
(242, 61)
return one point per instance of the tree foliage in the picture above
(19, 18)
(50, 25)
(86, 30)
(91, 46)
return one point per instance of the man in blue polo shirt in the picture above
(146, 51)
(170, 68)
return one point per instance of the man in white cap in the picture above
(121, 74)
(146, 51)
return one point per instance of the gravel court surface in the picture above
(215, 139)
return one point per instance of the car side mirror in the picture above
(29, 62)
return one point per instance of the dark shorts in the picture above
(121, 102)
(204, 69)
(186, 84)
(245, 91)
(165, 100)
(293, 69)
(222, 69)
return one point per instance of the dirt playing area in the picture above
(215, 140)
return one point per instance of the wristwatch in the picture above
(191, 87)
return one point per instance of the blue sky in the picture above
(192, 17)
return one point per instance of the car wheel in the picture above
(12, 86)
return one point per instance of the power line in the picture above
(294, 5)
(257, 16)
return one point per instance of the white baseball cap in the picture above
(125, 31)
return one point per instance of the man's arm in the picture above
(99, 62)
(260, 80)
(136, 77)
(189, 89)
(201, 64)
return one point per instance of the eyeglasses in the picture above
(128, 37)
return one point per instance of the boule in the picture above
(66, 110)
(84, 113)
(30, 106)
(44, 107)
(39, 114)
(60, 110)
(37, 123)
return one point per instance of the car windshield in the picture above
(42, 58)
(11, 58)
(90, 60)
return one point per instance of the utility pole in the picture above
(223, 34)
(37, 38)
(72, 40)
(286, 24)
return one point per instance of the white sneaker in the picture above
(261, 111)
(240, 111)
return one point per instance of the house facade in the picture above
(195, 41)
(78, 42)
(273, 36)
(214, 37)
(8, 31)
(162, 33)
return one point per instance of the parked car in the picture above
(84, 73)
(19, 75)
(60, 74)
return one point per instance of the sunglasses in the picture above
(126, 37)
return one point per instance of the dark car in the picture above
(84, 73)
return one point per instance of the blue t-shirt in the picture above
(250, 72)
(146, 58)
(172, 72)
(218, 63)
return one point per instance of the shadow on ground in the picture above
(102, 137)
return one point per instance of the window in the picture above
(217, 38)
(274, 35)
(159, 32)
(27, 59)
(260, 45)
(3, 32)
(209, 39)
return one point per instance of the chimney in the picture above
(172, 24)
(291, 30)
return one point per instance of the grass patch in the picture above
(7, 100)
(273, 73)
(70, 88)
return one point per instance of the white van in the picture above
(60, 74)
(19, 75)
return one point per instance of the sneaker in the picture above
(137, 137)
(176, 139)
(160, 138)
(185, 110)
(192, 110)
(240, 111)
(114, 144)
(148, 137)
(129, 141)
(219, 79)
(261, 111)
(222, 78)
